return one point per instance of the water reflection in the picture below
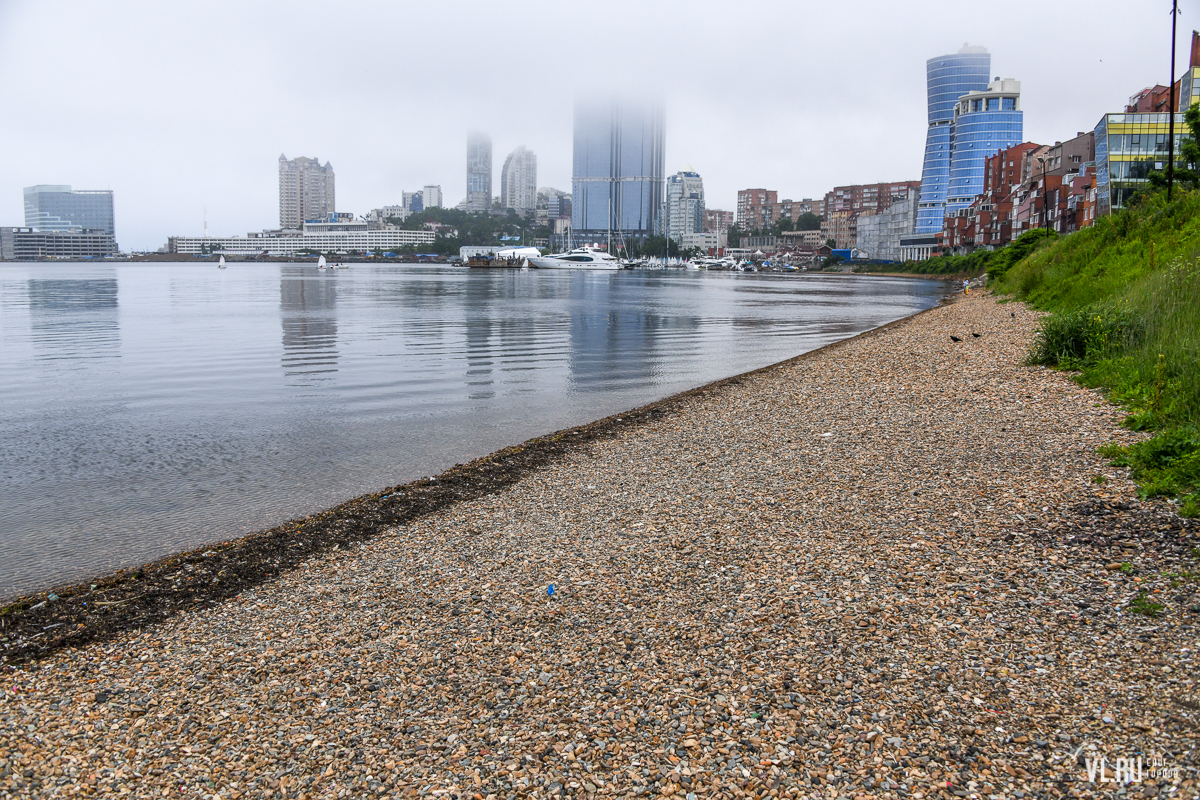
(72, 318)
(622, 341)
(479, 296)
(307, 307)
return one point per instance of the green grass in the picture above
(1145, 606)
(1125, 297)
(994, 262)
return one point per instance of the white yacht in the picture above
(581, 258)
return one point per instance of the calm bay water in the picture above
(151, 408)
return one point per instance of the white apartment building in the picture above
(382, 215)
(278, 243)
(518, 181)
(431, 197)
(702, 241)
(683, 209)
(306, 191)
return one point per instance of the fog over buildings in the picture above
(183, 109)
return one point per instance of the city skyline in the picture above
(796, 136)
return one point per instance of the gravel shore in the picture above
(894, 568)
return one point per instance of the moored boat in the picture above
(581, 258)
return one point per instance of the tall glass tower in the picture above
(617, 169)
(948, 78)
(479, 171)
(984, 123)
(59, 208)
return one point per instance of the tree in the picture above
(735, 235)
(831, 242)
(1186, 176)
(654, 246)
(808, 221)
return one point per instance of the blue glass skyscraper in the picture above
(617, 169)
(984, 123)
(948, 78)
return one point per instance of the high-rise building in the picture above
(984, 123)
(479, 172)
(60, 209)
(856, 199)
(617, 168)
(948, 78)
(558, 206)
(518, 181)
(306, 191)
(683, 209)
(718, 221)
(757, 208)
(431, 197)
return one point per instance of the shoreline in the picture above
(102, 607)
(922, 582)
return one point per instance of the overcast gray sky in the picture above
(179, 106)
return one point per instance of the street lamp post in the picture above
(1045, 209)
(1171, 123)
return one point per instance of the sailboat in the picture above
(221, 263)
(321, 262)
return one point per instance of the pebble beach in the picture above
(894, 567)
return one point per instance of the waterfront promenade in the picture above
(886, 568)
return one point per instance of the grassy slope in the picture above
(1126, 301)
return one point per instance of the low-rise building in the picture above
(30, 244)
(767, 244)
(290, 243)
(708, 241)
(805, 238)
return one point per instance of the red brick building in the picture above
(717, 221)
(877, 197)
(757, 208)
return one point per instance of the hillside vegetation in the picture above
(1125, 302)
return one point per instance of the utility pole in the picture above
(1171, 89)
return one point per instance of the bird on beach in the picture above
(954, 338)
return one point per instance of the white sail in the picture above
(221, 263)
(321, 262)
